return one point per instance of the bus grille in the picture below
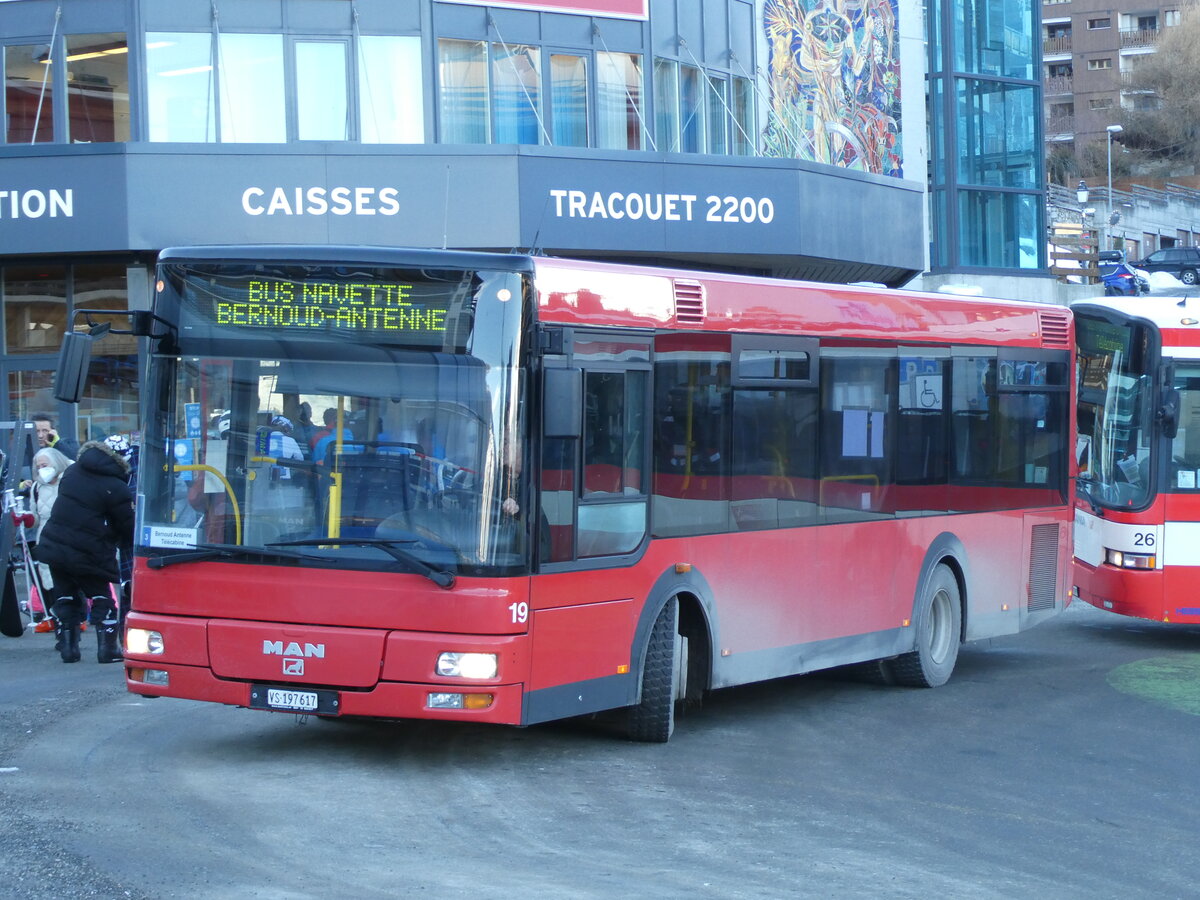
(689, 303)
(1056, 329)
(1043, 567)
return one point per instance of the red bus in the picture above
(553, 488)
(1137, 517)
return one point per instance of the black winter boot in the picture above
(108, 643)
(69, 649)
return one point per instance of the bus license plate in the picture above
(287, 699)
(277, 699)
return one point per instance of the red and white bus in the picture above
(553, 488)
(1137, 517)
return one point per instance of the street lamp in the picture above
(1081, 193)
(1111, 130)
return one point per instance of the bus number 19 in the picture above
(520, 612)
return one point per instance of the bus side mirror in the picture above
(562, 403)
(1168, 413)
(73, 361)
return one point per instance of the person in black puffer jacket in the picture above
(91, 518)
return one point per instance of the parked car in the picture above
(1182, 262)
(1120, 279)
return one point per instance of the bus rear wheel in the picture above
(653, 718)
(938, 622)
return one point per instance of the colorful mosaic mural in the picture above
(835, 83)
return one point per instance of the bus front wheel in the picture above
(938, 623)
(653, 718)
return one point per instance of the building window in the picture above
(97, 88)
(666, 104)
(463, 87)
(180, 87)
(1100, 103)
(28, 95)
(1097, 24)
(250, 79)
(1097, 64)
(390, 94)
(516, 94)
(322, 113)
(691, 110)
(997, 146)
(619, 101)
(744, 143)
(35, 308)
(181, 77)
(718, 115)
(1170, 18)
(569, 99)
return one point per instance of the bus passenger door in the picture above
(593, 502)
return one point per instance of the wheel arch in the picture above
(946, 549)
(697, 622)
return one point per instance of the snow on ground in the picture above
(1159, 280)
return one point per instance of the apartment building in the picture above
(1090, 50)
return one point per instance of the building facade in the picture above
(778, 137)
(1090, 52)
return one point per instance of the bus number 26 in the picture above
(520, 611)
(1143, 539)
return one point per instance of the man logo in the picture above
(310, 651)
(293, 667)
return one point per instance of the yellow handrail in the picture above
(237, 513)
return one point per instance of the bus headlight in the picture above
(478, 666)
(1124, 560)
(139, 640)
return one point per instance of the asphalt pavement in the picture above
(1059, 763)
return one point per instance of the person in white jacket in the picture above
(48, 467)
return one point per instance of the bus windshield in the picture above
(1115, 412)
(351, 417)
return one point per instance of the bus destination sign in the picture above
(332, 306)
(379, 305)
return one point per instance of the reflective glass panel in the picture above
(252, 94)
(98, 87)
(691, 110)
(321, 107)
(390, 107)
(32, 392)
(180, 94)
(35, 308)
(998, 229)
(666, 105)
(1185, 447)
(994, 38)
(996, 134)
(718, 118)
(516, 94)
(1115, 412)
(569, 99)
(28, 95)
(744, 140)
(463, 91)
(619, 101)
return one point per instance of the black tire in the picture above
(1188, 276)
(653, 719)
(938, 623)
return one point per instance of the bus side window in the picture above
(613, 463)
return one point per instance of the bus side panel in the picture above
(580, 659)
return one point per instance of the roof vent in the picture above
(1056, 329)
(689, 303)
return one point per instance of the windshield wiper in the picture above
(1082, 489)
(443, 578)
(204, 552)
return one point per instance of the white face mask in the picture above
(47, 473)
